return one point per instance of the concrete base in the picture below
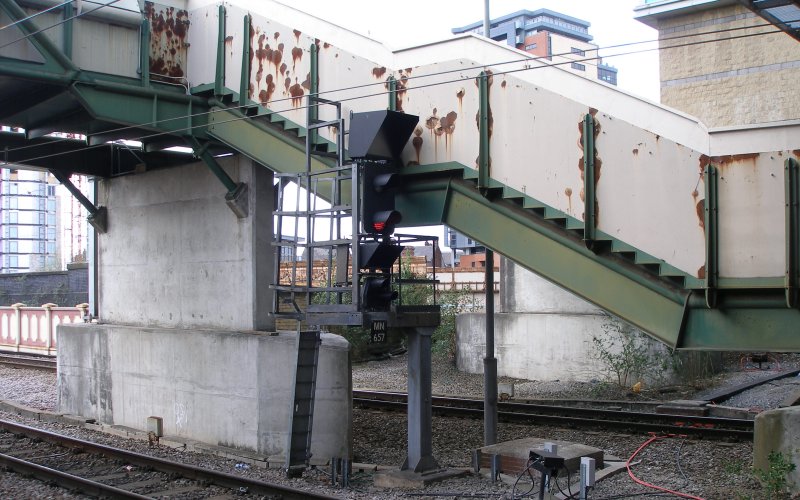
(414, 480)
(229, 389)
(514, 454)
(778, 431)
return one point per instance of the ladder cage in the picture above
(313, 217)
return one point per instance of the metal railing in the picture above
(33, 329)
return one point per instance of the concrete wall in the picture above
(542, 332)
(64, 288)
(176, 256)
(777, 431)
(223, 388)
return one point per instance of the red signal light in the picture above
(379, 226)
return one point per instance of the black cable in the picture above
(539, 59)
(569, 486)
(546, 65)
(521, 474)
(28, 18)
(678, 463)
(58, 23)
(159, 134)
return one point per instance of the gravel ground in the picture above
(713, 470)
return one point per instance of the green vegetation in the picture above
(624, 352)
(443, 340)
(775, 478)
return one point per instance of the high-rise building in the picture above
(28, 221)
(726, 64)
(562, 39)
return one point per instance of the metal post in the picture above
(392, 82)
(144, 52)
(489, 362)
(420, 448)
(792, 200)
(244, 79)
(712, 235)
(313, 109)
(589, 204)
(91, 252)
(487, 22)
(219, 78)
(483, 129)
(69, 12)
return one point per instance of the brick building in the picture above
(734, 80)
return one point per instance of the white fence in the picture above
(33, 329)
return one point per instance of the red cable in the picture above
(648, 485)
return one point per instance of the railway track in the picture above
(570, 416)
(28, 361)
(98, 470)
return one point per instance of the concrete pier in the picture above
(230, 389)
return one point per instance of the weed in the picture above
(775, 478)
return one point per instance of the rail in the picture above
(33, 329)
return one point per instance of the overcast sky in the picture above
(414, 22)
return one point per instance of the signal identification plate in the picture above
(378, 331)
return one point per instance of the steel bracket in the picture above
(98, 216)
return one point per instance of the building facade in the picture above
(746, 73)
(562, 39)
(28, 221)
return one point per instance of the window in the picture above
(530, 46)
(51, 247)
(13, 188)
(578, 51)
(51, 190)
(51, 233)
(51, 205)
(13, 232)
(13, 261)
(13, 247)
(13, 203)
(579, 67)
(13, 217)
(51, 220)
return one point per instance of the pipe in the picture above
(487, 23)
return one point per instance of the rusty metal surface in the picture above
(169, 28)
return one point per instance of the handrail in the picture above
(33, 329)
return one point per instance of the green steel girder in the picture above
(744, 319)
(162, 111)
(264, 143)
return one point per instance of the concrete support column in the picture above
(420, 448)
